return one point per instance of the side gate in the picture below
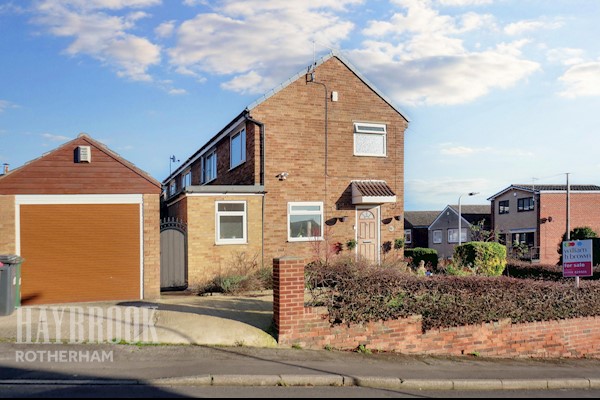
(173, 254)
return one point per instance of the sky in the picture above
(498, 92)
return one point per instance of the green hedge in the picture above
(358, 294)
(430, 256)
(484, 258)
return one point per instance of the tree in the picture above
(479, 234)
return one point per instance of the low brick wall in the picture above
(310, 328)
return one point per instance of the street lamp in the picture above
(459, 212)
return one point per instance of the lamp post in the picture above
(459, 212)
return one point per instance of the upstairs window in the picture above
(525, 204)
(237, 153)
(209, 167)
(503, 207)
(172, 188)
(186, 179)
(370, 139)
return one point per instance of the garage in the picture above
(87, 231)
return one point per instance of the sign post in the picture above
(577, 259)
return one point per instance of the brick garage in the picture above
(88, 229)
(310, 328)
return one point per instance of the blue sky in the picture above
(498, 91)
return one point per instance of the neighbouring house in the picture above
(531, 220)
(317, 161)
(416, 227)
(443, 231)
(86, 221)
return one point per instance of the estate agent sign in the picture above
(577, 258)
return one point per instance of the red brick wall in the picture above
(584, 212)
(310, 328)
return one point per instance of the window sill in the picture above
(243, 242)
(305, 239)
(370, 155)
(236, 166)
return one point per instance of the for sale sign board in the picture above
(577, 258)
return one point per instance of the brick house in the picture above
(86, 221)
(416, 227)
(316, 161)
(536, 216)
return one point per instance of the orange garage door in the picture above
(80, 252)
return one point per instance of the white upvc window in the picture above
(453, 235)
(437, 236)
(172, 187)
(407, 236)
(237, 152)
(209, 167)
(370, 139)
(305, 221)
(186, 179)
(231, 222)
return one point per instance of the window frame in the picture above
(503, 209)
(461, 236)
(359, 131)
(172, 187)
(441, 236)
(243, 214)
(521, 204)
(185, 182)
(408, 236)
(242, 134)
(290, 213)
(205, 158)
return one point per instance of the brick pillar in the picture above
(288, 295)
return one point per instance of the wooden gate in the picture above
(173, 254)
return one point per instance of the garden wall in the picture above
(309, 327)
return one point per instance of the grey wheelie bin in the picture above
(10, 283)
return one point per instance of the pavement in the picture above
(223, 341)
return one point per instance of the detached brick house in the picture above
(536, 217)
(316, 161)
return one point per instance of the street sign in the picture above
(577, 258)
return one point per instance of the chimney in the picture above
(5, 165)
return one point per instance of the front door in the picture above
(367, 234)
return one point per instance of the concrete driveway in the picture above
(175, 318)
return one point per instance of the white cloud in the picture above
(165, 29)
(419, 57)
(449, 149)
(518, 28)
(581, 80)
(55, 138)
(446, 190)
(566, 56)
(5, 104)
(193, 3)
(177, 92)
(257, 41)
(461, 3)
(102, 36)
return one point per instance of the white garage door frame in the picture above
(35, 199)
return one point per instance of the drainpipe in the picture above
(261, 178)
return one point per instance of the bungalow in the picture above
(317, 161)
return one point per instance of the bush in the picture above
(546, 272)
(484, 258)
(430, 256)
(358, 293)
(243, 275)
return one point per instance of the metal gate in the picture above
(173, 254)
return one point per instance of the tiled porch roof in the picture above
(372, 192)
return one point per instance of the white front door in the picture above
(367, 233)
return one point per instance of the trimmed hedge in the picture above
(484, 258)
(430, 256)
(547, 272)
(359, 294)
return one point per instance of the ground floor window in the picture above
(231, 222)
(437, 236)
(407, 236)
(305, 221)
(453, 235)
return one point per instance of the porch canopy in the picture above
(372, 192)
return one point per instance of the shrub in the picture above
(430, 256)
(359, 293)
(242, 275)
(484, 258)
(546, 272)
